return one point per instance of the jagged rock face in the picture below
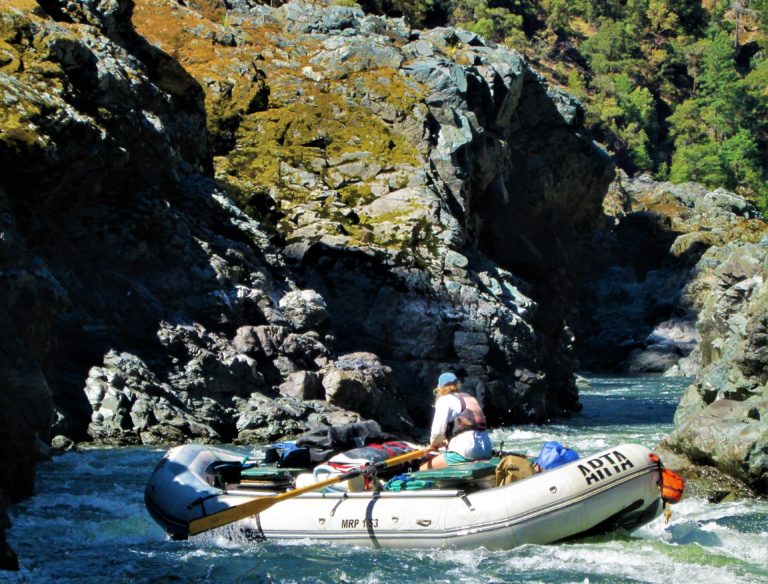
(235, 224)
(382, 154)
(360, 234)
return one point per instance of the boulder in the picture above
(721, 420)
(131, 405)
(305, 310)
(303, 385)
(361, 383)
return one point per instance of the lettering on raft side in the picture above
(604, 466)
(355, 523)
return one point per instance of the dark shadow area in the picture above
(629, 284)
(535, 220)
(117, 215)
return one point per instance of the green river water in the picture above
(88, 523)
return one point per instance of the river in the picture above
(88, 523)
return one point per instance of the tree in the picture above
(698, 162)
(685, 124)
(559, 13)
(497, 23)
(725, 102)
(662, 19)
(741, 157)
(614, 49)
(692, 16)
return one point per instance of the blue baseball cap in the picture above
(446, 379)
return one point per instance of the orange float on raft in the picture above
(671, 484)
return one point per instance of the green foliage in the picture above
(697, 162)
(577, 84)
(662, 19)
(761, 9)
(494, 23)
(675, 54)
(559, 13)
(691, 16)
(614, 49)
(663, 85)
(636, 16)
(685, 124)
(716, 131)
(720, 87)
(756, 82)
(740, 157)
(733, 164)
(636, 102)
(638, 143)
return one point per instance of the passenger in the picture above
(459, 424)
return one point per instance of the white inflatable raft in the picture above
(616, 488)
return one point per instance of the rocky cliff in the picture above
(223, 221)
(228, 222)
(721, 424)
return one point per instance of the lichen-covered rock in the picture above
(210, 210)
(225, 221)
(369, 190)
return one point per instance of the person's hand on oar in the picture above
(232, 514)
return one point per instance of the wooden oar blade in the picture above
(230, 515)
(255, 506)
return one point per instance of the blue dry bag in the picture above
(554, 454)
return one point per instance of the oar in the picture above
(244, 510)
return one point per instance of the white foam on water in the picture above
(512, 434)
(586, 446)
(622, 560)
(90, 506)
(698, 521)
(100, 462)
(195, 553)
(114, 506)
(752, 548)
